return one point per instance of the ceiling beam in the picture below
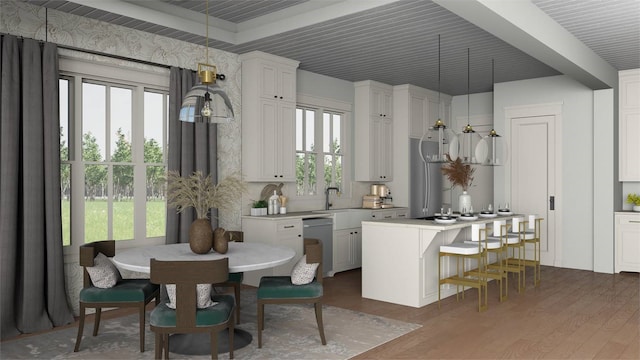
(295, 17)
(524, 26)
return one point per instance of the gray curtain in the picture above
(31, 258)
(192, 147)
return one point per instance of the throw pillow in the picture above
(204, 296)
(303, 273)
(103, 273)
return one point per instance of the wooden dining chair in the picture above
(104, 288)
(189, 316)
(235, 279)
(284, 289)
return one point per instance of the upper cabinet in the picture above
(422, 107)
(629, 117)
(268, 117)
(373, 131)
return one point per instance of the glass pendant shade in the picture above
(446, 140)
(491, 150)
(468, 140)
(206, 103)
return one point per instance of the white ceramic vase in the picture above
(464, 202)
(636, 208)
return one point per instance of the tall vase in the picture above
(464, 203)
(200, 236)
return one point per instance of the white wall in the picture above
(577, 185)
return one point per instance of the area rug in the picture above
(290, 333)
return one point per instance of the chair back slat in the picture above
(89, 251)
(186, 275)
(313, 250)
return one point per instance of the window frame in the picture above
(140, 78)
(322, 105)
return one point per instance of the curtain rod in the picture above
(118, 57)
(95, 52)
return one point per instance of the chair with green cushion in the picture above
(284, 289)
(194, 312)
(104, 288)
(235, 279)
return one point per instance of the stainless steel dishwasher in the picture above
(321, 229)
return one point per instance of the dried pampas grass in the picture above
(457, 173)
(199, 192)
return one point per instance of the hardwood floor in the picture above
(572, 314)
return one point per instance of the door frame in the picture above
(536, 110)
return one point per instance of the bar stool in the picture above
(512, 249)
(494, 270)
(532, 237)
(463, 251)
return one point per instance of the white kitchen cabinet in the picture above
(627, 242)
(374, 131)
(268, 117)
(347, 249)
(287, 232)
(389, 213)
(629, 127)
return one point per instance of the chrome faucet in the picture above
(327, 205)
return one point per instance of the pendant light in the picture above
(491, 150)
(445, 138)
(206, 102)
(469, 138)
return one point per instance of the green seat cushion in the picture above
(236, 277)
(163, 316)
(129, 290)
(281, 287)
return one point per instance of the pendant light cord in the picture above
(468, 86)
(207, 32)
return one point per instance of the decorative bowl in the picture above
(445, 220)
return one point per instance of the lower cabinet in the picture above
(287, 232)
(627, 242)
(347, 249)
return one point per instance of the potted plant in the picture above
(460, 174)
(259, 207)
(634, 199)
(199, 192)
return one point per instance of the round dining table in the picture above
(242, 256)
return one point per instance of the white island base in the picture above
(400, 259)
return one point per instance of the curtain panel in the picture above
(192, 147)
(33, 296)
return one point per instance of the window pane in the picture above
(120, 120)
(326, 132)
(337, 148)
(301, 175)
(310, 130)
(65, 192)
(153, 127)
(328, 170)
(93, 122)
(312, 190)
(156, 203)
(96, 214)
(123, 216)
(338, 170)
(64, 119)
(299, 129)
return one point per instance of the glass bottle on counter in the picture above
(274, 204)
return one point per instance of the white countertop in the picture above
(291, 215)
(431, 224)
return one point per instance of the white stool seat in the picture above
(528, 235)
(461, 248)
(511, 238)
(489, 244)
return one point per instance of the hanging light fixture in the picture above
(445, 138)
(206, 102)
(469, 138)
(487, 150)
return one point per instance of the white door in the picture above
(533, 176)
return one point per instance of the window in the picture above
(113, 147)
(319, 121)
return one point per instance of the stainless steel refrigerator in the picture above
(425, 196)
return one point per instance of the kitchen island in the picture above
(400, 258)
